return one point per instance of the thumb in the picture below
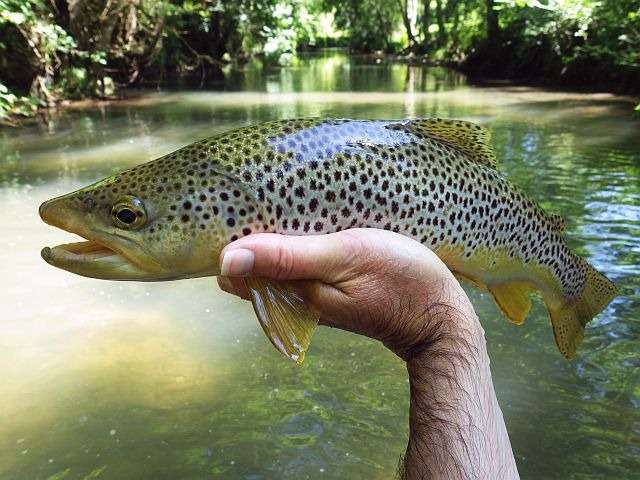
(286, 257)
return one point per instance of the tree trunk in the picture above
(493, 28)
(426, 23)
(440, 22)
(407, 10)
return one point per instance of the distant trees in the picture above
(55, 49)
(584, 42)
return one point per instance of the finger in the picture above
(225, 285)
(292, 257)
(234, 286)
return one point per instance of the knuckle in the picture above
(352, 244)
(354, 249)
(360, 254)
(285, 264)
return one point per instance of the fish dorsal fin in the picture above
(284, 316)
(467, 137)
(558, 222)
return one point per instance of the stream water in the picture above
(176, 380)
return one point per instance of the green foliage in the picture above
(370, 24)
(291, 23)
(50, 49)
(63, 49)
(593, 43)
(12, 105)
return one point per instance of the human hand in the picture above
(391, 288)
(367, 281)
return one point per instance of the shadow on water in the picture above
(175, 380)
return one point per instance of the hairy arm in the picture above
(395, 290)
(456, 425)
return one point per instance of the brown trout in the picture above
(433, 180)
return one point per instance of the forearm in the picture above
(379, 284)
(456, 425)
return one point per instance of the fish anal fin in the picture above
(467, 137)
(284, 316)
(568, 321)
(513, 299)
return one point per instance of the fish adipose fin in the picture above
(569, 321)
(513, 299)
(467, 137)
(558, 222)
(286, 319)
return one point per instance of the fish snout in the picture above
(46, 210)
(56, 212)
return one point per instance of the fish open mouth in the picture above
(97, 260)
(86, 251)
(92, 259)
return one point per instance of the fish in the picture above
(434, 180)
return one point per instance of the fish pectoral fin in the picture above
(284, 316)
(513, 299)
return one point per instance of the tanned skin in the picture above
(393, 289)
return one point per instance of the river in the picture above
(175, 380)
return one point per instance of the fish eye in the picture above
(128, 212)
(126, 215)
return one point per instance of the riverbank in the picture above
(484, 69)
(427, 64)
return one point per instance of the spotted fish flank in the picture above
(433, 180)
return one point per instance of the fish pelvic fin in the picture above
(513, 299)
(467, 137)
(286, 319)
(569, 320)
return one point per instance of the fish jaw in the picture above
(94, 260)
(106, 254)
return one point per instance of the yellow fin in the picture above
(472, 280)
(470, 138)
(286, 319)
(569, 321)
(513, 299)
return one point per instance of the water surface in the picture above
(176, 380)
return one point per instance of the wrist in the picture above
(453, 330)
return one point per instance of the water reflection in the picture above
(175, 380)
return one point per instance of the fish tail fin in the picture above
(569, 320)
